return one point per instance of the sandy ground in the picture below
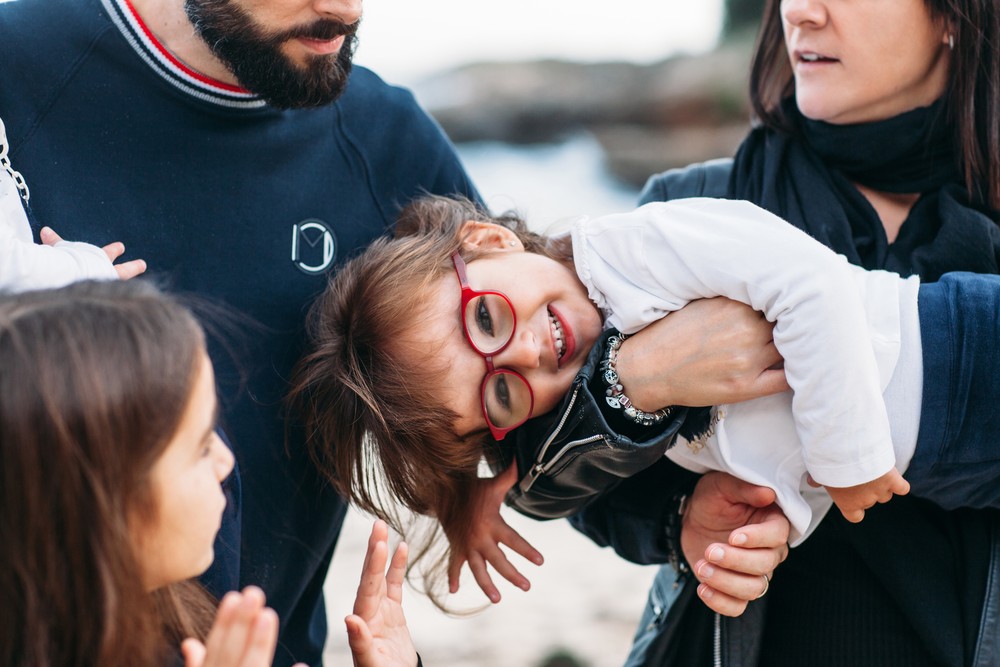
(584, 600)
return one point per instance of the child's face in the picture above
(177, 543)
(557, 324)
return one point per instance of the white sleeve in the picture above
(644, 264)
(25, 265)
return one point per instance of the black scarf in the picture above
(808, 179)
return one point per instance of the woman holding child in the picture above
(879, 136)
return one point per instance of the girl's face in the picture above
(557, 324)
(176, 542)
(858, 61)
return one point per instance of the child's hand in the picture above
(244, 634)
(487, 532)
(114, 250)
(854, 500)
(377, 630)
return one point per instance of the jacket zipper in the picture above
(717, 641)
(539, 468)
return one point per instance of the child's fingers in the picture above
(131, 269)
(359, 636)
(262, 641)
(482, 576)
(522, 547)
(498, 559)
(234, 643)
(225, 616)
(372, 578)
(49, 236)
(854, 516)
(397, 573)
(455, 572)
(114, 250)
(193, 652)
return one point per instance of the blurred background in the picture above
(558, 108)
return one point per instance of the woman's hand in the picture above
(244, 634)
(734, 536)
(711, 351)
(377, 630)
(487, 532)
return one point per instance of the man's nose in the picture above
(345, 11)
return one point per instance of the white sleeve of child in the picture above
(25, 265)
(644, 264)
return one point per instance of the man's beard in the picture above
(254, 55)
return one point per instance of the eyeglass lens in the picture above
(507, 399)
(489, 322)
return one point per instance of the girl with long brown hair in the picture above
(110, 497)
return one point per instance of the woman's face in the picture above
(557, 324)
(858, 61)
(176, 541)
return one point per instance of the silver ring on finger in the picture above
(767, 585)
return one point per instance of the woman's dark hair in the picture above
(972, 100)
(377, 439)
(94, 381)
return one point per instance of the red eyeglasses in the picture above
(489, 323)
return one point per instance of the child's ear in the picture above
(478, 235)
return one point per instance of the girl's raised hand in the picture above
(487, 532)
(244, 634)
(377, 630)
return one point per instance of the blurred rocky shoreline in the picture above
(647, 118)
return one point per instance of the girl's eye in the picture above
(483, 318)
(501, 391)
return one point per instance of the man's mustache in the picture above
(323, 30)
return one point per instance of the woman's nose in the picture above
(523, 351)
(803, 12)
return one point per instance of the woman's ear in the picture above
(479, 235)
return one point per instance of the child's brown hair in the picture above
(375, 426)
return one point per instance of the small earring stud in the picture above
(951, 42)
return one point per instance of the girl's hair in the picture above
(94, 381)
(972, 100)
(375, 424)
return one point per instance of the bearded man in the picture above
(229, 144)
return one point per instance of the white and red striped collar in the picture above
(167, 65)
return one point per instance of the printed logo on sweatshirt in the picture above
(314, 246)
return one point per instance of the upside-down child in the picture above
(429, 348)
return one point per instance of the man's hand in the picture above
(487, 532)
(114, 250)
(854, 500)
(377, 630)
(733, 535)
(712, 351)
